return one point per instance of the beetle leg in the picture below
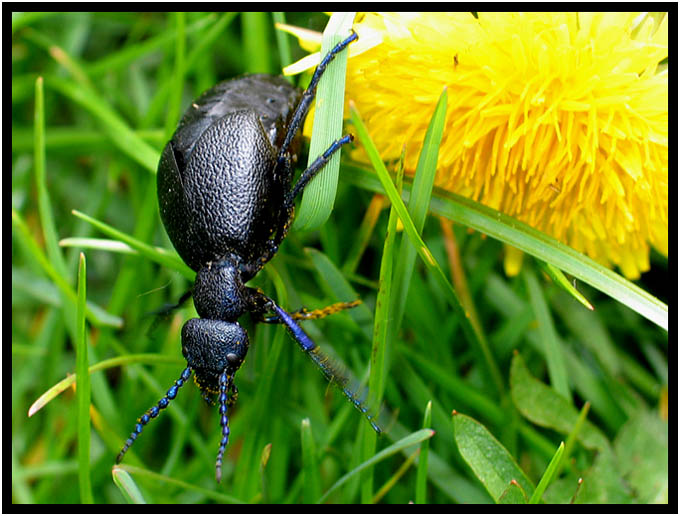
(315, 167)
(330, 370)
(165, 310)
(304, 314)
(308, 95)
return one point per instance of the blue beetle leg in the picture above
(315, 167)
(224, 401)
(330, 370)
(304, 314)
(153, 412)
(308, 96)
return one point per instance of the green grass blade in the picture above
(400, 445)
(319, 195)
(162, 256)
(376, 380)
(100, 244)
(282, 43)
(120, 133)
(553, 349)
(540, 245)
(95, 316)
(561, 281)
(418, 206)
(548, 476)
(488, 459)
(59, 387)
(44, 205)
(175, 100)
(255, 31)
(428, 259)
(127, 485)
(83, 391)
(211, 494)
(421, 474)
(130, 53)
(310, 466)
(334, 284)
(394, 479)
(208, 38)
(573, 434)
(362, 238)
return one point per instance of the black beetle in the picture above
(225, 198)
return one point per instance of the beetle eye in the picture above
(233, 359)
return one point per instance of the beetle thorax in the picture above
(219, 292)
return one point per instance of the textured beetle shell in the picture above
(217, 189)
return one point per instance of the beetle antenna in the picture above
(154, 411)
(223, 398)
(330, 370)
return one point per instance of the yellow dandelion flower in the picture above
(557, 119)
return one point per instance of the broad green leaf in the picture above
(514, 494)
(489, 460)
(642, 449)
(543, 406)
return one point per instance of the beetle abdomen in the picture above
(272, 98)
(232, 194)
(217, 188)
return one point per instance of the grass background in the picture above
(114, 86)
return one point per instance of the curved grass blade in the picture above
(208, 493)
(470, 332)
(540, 245)
(166, 258)
(100, 244)
(319, 195)
(407, 441)
(120, 133)
(59, 387)
(554, 355)
(96, 315)
(131, 52)
(561, 281)
(418, 206)
(421, 475)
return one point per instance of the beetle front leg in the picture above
(314, 169)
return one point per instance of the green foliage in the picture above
(87, 136)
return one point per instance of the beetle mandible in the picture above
(226, 201)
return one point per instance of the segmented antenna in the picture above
(222, 399)
(329, 369)
(154, 411)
